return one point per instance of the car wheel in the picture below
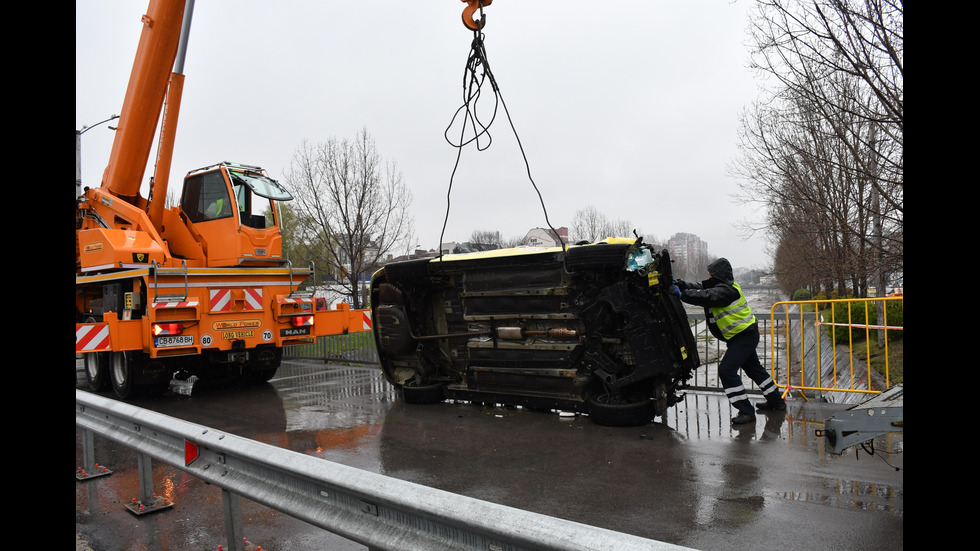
(633, 411)
(423, 394)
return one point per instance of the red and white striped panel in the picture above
(221, 300)
(188, 304)
(366, 320)
(287, 300)
(91, 337)
(253, 299)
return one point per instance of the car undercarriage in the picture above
(589, 328)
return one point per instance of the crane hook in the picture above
(470, 9)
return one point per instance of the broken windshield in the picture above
(261, 185)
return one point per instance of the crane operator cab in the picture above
(231, 209)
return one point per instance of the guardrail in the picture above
(825, 346)
(356, 348)
(371, 509)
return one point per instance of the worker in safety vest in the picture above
(216, 209)
(730, 319)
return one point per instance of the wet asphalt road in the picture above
(689, 479)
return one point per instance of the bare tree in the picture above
(486, 237)
(352, 208)
(624, 228)
(823, 150)
(292, 235)
(591, 225)
(495, 238)
(834, 52)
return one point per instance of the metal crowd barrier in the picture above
(710, 350)
(368, 508)
(356, 348)
(824, 347)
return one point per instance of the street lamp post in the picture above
(78, 152)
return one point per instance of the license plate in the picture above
(178, 340)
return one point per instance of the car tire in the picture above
(423, 394)
(633, 412)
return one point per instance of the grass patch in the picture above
(876, 359)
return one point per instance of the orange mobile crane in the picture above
(197, 289)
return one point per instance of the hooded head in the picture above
(721, 269)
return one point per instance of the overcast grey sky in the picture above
(631, 107)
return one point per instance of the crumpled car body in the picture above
(587, 328)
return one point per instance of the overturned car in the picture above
(590, 328)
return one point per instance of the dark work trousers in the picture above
(741, 354)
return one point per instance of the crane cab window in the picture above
(255, 195)
(206, 197)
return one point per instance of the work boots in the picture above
(743, 418)
(776, 404)
(745, 413)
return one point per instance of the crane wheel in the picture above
(97, 370)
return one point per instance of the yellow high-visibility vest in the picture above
(734, 318)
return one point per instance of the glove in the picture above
(680, 284)
(675, 290)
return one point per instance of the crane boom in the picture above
(144, 98)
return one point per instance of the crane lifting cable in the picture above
(476, 74)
